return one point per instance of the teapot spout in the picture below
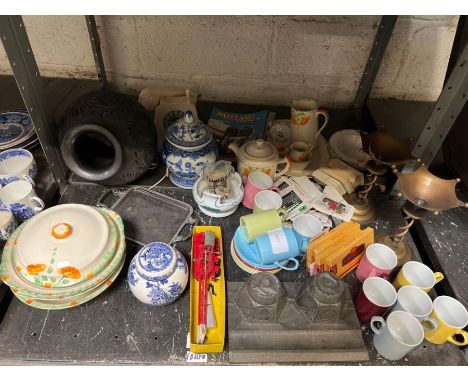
(234, 147)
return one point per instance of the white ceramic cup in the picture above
(415, 301)
(397, 335)
(7, 223)
(267, 200)
(21, 199)
(16, 164)
(306, 228)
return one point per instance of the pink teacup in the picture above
(378, 261)
(256, 182)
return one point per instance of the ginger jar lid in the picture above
(260, 150)
(156, 261)
(189, 134)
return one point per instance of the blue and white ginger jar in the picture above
(158, 274)
(188, 148)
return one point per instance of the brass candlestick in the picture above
(386, 150)
(425, 194)
(364, 209)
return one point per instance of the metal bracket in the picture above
(96, 47)
(382, 37)
(445, 112)
(18, 49)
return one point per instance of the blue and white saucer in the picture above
(16, 127)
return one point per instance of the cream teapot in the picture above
(258, 155)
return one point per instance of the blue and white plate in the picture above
(15, 128)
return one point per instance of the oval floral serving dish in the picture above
(158, 274)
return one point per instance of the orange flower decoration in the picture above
(48, 285)
(4, 278)
(108, 282)
(74, 303)
(304, 120)
(34, 269)
(70, 272)
(29, 301)
(267, 171)
(90, 275)
(18, 268)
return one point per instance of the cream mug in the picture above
(21, 199)
(299, 152)
(305, 122)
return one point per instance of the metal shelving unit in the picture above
(429, 122)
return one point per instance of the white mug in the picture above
(415, 301)
(16, 164)
(267, 200)
(306, 228)
(21, 199)
(397, 336)
(304, 121)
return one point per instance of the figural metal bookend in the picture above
(308, 321)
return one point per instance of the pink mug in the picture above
(378, 261)
(256, 182)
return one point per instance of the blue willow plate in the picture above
(15, 127)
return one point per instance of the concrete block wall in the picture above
(249, 59)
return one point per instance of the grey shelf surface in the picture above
(115, 328)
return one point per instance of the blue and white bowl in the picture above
(16, 164)
(8, 223)
(158, 274)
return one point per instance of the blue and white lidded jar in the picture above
(158, 274)
(188, 148)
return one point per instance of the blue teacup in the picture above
(306, 227)
(277, 246)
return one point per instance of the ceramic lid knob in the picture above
(62, 230)
(260, 149)
(188, 117)
(156, 261)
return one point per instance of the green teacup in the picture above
(255, 225)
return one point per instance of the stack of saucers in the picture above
(64, 256)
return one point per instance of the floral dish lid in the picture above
(63, 241)
(189, 134)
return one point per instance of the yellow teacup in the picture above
(417, 274)
(452, 318)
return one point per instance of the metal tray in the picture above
(149, 216)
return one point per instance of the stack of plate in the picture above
(64, 256)
(244, 255)
(17, 130)
(347, 146)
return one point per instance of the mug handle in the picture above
(29, 179)
(374, 328)
(283, 214)
(454, 341)
(40, 203)
(285, 169)
(438, 277)
(429, 324)
(325, 123)
(304, 245)
(295, 266)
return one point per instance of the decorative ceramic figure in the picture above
(158, 274)
(189, 147)
(16, 164)
(260, 156)
(219, 190)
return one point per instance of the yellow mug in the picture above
(417, 274)
(452, 318)
(255, 225)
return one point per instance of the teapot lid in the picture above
(260, 149)
(189, 134)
